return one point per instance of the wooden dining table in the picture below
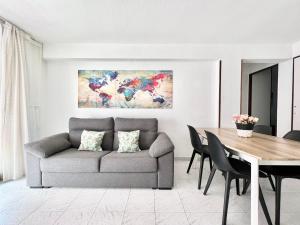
(258, 150)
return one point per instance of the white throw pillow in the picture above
(91, 141)
(129, 141)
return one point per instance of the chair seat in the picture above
(140, 162)
(204, 148)
(243, 167)
(73, 161)
(283, 171)
(240, 166)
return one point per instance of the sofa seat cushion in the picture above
(73, 161)
(128, 162)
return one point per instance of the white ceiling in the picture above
(157, 21)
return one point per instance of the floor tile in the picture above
(288, 185)
(140, 201)
(59, 201)
(13, 217)
(56, 204)
(167, 201)
(197, 202)
(185, 184)
(87, 199)
(27, 203)
(9, 202)
(133, 218)
(114, 200)
(106, 218)
(290, 201)
(204, 218)
(75, 217)
(171, 219)
(239, 204)
(216, 218)
(290, 219)
(42, 217)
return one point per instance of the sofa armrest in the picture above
(49, 145)
(161, 146)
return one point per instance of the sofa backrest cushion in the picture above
(148, 130)
(77, 125)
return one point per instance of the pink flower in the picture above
(244, 119)
(236, 117)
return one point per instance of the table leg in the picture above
(254, 191)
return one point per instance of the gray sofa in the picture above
(55, 160)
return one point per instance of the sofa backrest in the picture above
(148, 130)
(77, 125)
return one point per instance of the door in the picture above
(263, 87)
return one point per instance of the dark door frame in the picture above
(250, 91)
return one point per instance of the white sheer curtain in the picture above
(13, 115)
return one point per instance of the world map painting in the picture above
(125, 88)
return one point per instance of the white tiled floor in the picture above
(184, 205)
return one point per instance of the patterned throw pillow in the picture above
(91, 141)
(129, 141)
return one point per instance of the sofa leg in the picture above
(154, 188)
(161, 188)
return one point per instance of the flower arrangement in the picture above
(245, 119)
(244, 124)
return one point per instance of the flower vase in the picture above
(244, 130)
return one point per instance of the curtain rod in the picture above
(27, 35)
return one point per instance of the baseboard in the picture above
(197, 158)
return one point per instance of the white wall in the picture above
(284, 105)
(231, 56)
(195, 96)
(296, 49)
(296, 100)
(296, 53)
(34, 85)
(165, 51)
(63, 59)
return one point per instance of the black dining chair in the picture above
(281, 172)
(293, 135)
(200, 149)
(233, 169)
(263, 129)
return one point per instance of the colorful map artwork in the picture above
(125, 88)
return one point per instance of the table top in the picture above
(260, 146)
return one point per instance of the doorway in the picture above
(263, 93)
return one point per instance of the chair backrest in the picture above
(195, 139)
(263, 129)
(293, 135)
(217, 153)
